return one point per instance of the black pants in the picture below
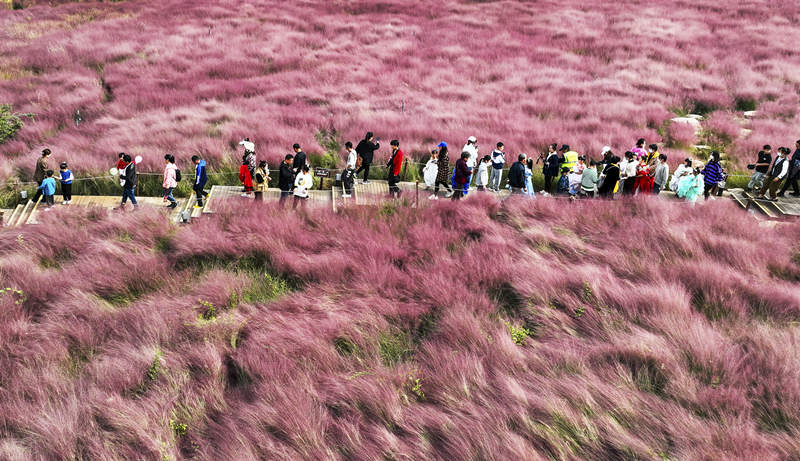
(793, 182)
(548, 183)
(48, 199)
(627, 186)
(66, 192)
(200, 193)
(459, 192)
(394, 189)
(709, 189)
(347, 181)
(284, 194)
(443, 183)
(365, 168)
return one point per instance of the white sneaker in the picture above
(433, 197)
(346, 195)
(449, 194)
(245, 195)
(365, 182)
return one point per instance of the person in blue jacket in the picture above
(48, 188)
(200, 180)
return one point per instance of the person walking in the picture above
(516, 175)
(712, 174)
(349, 174)
(366, 150)
(129, 181)
(40, 172)
(498, 161)
(761, 168)
(200, 179)
(302, 183)
(394, 167)
(170, 180)
(794, 173)
(286, 178)
(471, 147)
(462, 175)
(443, 173)
(661, 174)
(779, 170)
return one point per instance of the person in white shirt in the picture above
(431, 170)
(352, 155)
(629, 174)
(471, 148)
(248, 145)
(302, 183)
(683, 169)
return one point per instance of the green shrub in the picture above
(10, 122)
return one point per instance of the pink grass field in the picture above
(194, 77)
(642, 329)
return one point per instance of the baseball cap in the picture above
(472, 139)
(442, 144)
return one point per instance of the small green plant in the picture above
(518, 334)
(579, 311)
(178, 427)
(588, 294)
(394, 347)
(155, 368)
(19, 295)
(210, 313)
(415, 386)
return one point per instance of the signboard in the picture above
(322, 172)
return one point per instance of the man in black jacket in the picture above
(286, 177)
(794, 173)
(299, 158)
(366, 151)
(128, 175)
(516, 175)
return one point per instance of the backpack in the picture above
(177, 175)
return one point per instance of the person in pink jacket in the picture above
(170, 180)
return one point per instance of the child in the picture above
(431, 169)
(529, 179)
(302, 183)
(262, 180)
(483, 173)
(48, 188)
(66, 183)
(349, 177)
(563, 182)
(721, 184)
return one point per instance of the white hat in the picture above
(472, 139)
(605, 149)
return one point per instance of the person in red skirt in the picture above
(245, 176)
(644, 182)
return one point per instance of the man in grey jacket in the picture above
(661, 176)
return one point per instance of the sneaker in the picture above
(346, 195)
(365, 182)
(173, 205)
(449, 194)
(245, 195)
(432, 197)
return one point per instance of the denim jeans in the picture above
(756, 181)
(128, 193)
(168, 195)
(495, 178)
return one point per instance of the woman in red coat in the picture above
(644, 183)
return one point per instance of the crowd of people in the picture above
(641, 170)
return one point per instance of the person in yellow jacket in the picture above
(570, 157)
(261, 180)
